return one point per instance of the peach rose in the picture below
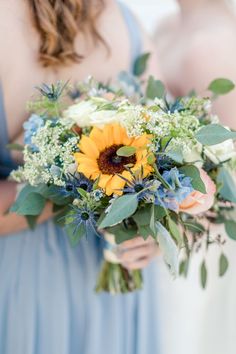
(198, 202)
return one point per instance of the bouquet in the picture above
(117, 163)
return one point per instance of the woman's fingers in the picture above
(137, 253)
(135, 242)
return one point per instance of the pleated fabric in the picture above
(47, 299)
(48, 304)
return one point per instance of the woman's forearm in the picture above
(8, 192)
(11, 222)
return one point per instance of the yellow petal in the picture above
(127, 175)
(103, 180)
(88, 147)
(108, 189)
(141, 141)
(87, 160)
(108, 135)
(87, 170)
(97, 136)
(117, 183)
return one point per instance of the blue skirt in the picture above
(48, 304)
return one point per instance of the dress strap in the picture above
(6, 163)
(134, 31)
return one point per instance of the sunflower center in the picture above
(110, 163)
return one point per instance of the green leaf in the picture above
(122, 233)
(175, 232)
(228, 188)
(223, 265)
(194, 227)
(29, 202)
(157, 214)
(221, 86)
(126, 151)
(32, 221)
(203, 273)
(122, 208)
(213, 134)
(16, 147)
(193, 172)
(82, 192)
(145, 231)
(140, 64)
(168, 248)
(155, 89)
(75, 235)
(230, 228)
(184, 267)
(176, 155)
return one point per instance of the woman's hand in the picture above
(137, 253)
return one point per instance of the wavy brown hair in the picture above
(58, 23)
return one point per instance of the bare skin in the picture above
(196, 46)
(20, 72)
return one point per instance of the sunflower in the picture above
(98, 158)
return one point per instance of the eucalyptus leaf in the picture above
(214, 134)
(32, 221)
(203, 274)
(195, 227)
(175, 232)
(145, 231)
(155, 89)
(228, 188)
(28, 202)
(122, 233)
(126, 151)
(175, 155)
(230, 228)
(122, 208)
(168, 248)
(183, 268)
(221, 86)
(193, 172)
(75, 234)
(140, 64)
(223, 265)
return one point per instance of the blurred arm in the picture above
(210, 57)
(11, 223)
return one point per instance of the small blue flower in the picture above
(138, 184)
(72, 183)
(83, 217)
(180, 188)
(31, 126)
(98, 195)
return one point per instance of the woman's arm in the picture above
(204, 62)
(11, 222)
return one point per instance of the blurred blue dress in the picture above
(47, 299)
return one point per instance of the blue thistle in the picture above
(72, 183)
(82, 221)
(138, 184)
(52, 92)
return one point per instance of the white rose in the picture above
(80, 113)
(101, 118)
(194, 154)
(221, 152)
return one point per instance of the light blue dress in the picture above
(47, 299)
